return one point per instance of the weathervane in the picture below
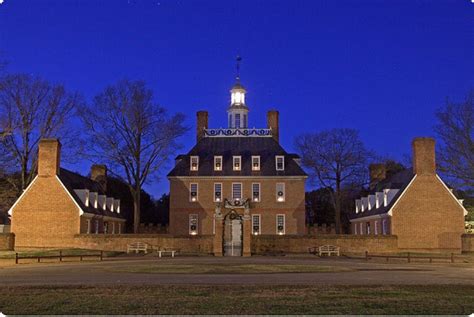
(238, 60)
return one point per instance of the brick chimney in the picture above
(378, 172)
(49, 155)
(99, 174)
(274, 124)
(424, 156)
(202, 124)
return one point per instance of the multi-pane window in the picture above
(237, 120)
(245, 121)
(193, 192)
(193, 224)
(194, 163)
(217, 192)
(255, 163)
(384, 226)
(256, 224)
(280, 224)
(236, 191)
(237, 163)
(280, 162)
(230, 120)
(280, 192)
(256, 192)
(218, 163)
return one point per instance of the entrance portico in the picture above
(232, 228)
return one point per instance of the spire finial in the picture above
(238, 60)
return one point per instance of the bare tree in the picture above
(31, 109)
(455, 129)
(132, 134)
(334, 159)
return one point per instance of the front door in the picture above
(233, 235)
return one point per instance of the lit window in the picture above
(237, 120)
(237, 163)
(237, 191)
(218, 163)
(280, 192)
(256, 224)
(256, 192)
(255, 163)
(280, 163)
(280, 222)
(194, 163)
(193, 192)
(193, 224)
(217, 192)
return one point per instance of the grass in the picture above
(230, 269)
(220, 299)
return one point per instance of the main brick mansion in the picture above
(237, 182)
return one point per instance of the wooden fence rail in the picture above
(60, 256)
(409, 257)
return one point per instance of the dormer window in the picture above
(193, 192)
(255, 163)
(237, 163)
(280, 162)
(194, 163)
(218, 163)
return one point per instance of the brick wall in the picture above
(268, 207)
(45, 216)
(7, 241)
(347, 243)
(467, 243)
(187, 244)
(427, 217)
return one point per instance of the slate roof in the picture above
(74, 181)
(398, 181)
(227, 147)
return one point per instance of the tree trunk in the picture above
(338, 204)
(136, 211)
(24, 167)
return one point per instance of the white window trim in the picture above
(258, 158)
(240, 162)
(259, 224)
(284, 192)
(96, 226)
(284, 224)
(384, 226)
(191, 163)
(276, 162)
(215, 162)
(191, 232)
(259, 192)
(367, 227)
(89, 226)
(197, 192)
(222, 192)
(376, 231)
(241, 191)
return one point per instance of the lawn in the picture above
(194, 299)
(212, 268)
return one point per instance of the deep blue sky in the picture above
(382, 67)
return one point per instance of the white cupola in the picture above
(237, 112)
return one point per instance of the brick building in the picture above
(236, 182)
(59, 204)
(414, 204)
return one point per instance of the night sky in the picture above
(382, 67)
